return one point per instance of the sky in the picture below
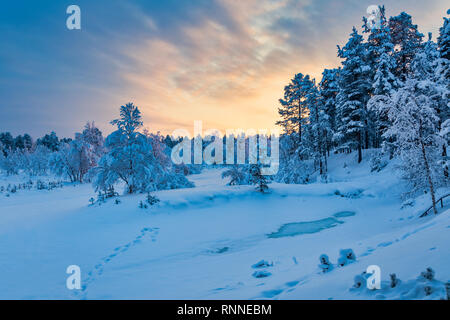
(224, 62)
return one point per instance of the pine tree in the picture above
(129, 158)
(443, 64)
(382, 63)
(50, 141)
(258, 179)
(444, 39)
(28, 142)
(294, 109)
(407, 40)
(329, 88)
(352, 98)
(319, 128)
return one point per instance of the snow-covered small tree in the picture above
(258, 179)
(414, 129)
(38, 160)
(76, 158)
(136, 159)
(12, 162)
(129, 157)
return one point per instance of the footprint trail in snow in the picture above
(99, 268)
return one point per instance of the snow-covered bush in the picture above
(262, 264)
(76, 158)
(377, 162)
(238, 174)
(261, 274)
(152, 200)
(346, 256)
(325, 264)
(394, 280)
(293, 166)
(37, 160)
(360, 280)
(12, 162)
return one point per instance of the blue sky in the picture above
(221, 61)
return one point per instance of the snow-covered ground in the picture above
(203, 243)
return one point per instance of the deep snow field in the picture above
(201, 243)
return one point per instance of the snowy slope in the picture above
(201, 243)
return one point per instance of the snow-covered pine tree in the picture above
(319, 128)
(258, 179)
(444, 38)
(50, 141)
(383, 66)
(354, 87)
(7, 142)
(407, 41)
(294, 109)
(329, 88)
(129, 157)
(414, 127)
(132, 158)
(28, 142)
(443, 74)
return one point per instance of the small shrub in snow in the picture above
(346, 256)
(262, 264)
(261, 274)
(394, 280)
(408, 203)
(428, 274)
(238, 174)
(92, 201)
(428, 290)
(116, 201)
(325, 264)
(360, 281)
(447, 290)
(377, 162)
(110, 192)
(142, 205)
(100, 197)
(151, 200)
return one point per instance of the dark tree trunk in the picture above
(430, 181)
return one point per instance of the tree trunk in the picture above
(430, 181)
(359, 148)
(444, 155)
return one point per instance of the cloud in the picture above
(221, 61)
